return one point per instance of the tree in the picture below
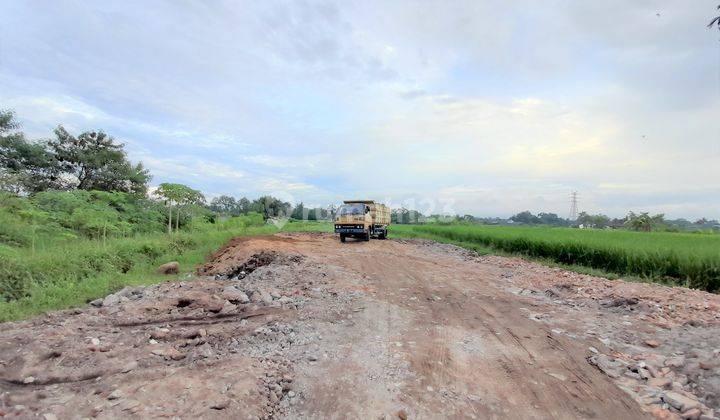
(94, 161)
(174, 195)
(7, 121)
(715, 21)
(525, 217)
(225, 205)
(658, 220)
(300, 212)
(405, 216)
(244, 205)
(24, 166)
(590, 220)
(271, 207)
(191, 199)
(644, 221)
(91, 161)
(551, 219)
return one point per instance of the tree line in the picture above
(270, 207)
(643, 221)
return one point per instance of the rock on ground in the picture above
(172, 267)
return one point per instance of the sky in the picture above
(470, 107)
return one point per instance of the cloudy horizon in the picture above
(481, 108)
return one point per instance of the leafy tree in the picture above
(225, 205)
(94, 161)
(551, 219)
(192, 201)
(405, 216)
(644, 222)
(525, 217)
(91, 161)
(244, 206)
(172, 193)
(143, 214)
(658, 221)
(590, 220)
(7, 121)
(178, 195)
(271, 207)
(300, 212)
(638, 221)
(24, 166)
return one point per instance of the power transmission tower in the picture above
(573, 205)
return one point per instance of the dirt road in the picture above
(300, 326)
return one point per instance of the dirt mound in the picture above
(256, 260)
(299, 326)
(226, 271)
(242, 256)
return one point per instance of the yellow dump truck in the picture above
(362, 219)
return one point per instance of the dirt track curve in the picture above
(301, 326)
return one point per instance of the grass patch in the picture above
(73, 273)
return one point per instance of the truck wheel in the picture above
(383, 235)
(342, 237)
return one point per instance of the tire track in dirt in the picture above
(440, 289)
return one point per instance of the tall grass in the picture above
(74, 272)
(682, 259)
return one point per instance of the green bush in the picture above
(12, 231)
(69, 265)
(15, 279)
(98, 214)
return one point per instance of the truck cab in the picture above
(362, 219)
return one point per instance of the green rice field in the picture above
(686, 259)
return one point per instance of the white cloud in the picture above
(308, 162)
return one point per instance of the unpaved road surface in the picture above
(301, 326)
